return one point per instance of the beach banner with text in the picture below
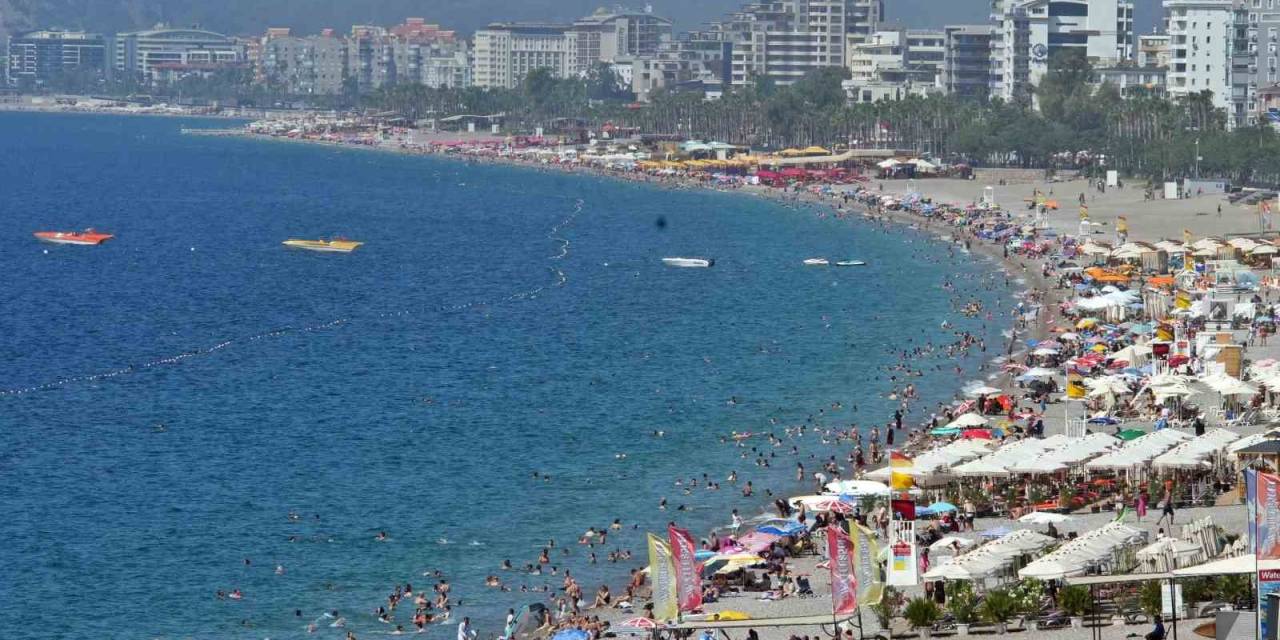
(866, 564)
(662, 573)
(844, 585)
(688, 581)
(1267, 515)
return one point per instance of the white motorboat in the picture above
(851, 263)
(688, 262)
(817, 262)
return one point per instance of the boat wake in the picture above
(559, 280)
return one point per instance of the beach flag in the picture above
(1084, 213)
(900, 465)
(1164, 331)
(1186, 236)
(1075, 386)
(868, 573)
(1181, 300)
(662, 573)
(844, 584)
(688, 575)
(1122, 225)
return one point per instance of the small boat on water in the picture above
(817, 262)
(86, 237)
(335, 245)
(851, 263)
(694, 263)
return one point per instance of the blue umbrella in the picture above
(941, 507)
(781, 528)
(703, 554)
(1103, 420)
(571, 634)
(997, 532)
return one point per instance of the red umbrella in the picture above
(1178, 360)
(833, 505)
(640, 623)
(981, 434)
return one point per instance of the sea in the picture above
(192, 408)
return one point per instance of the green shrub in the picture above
(922, 613)
(1150, 599)
(1075, 600)
(887, 608)
(1028, 595)
(999, 607)
(962, 603)
(1236, 589)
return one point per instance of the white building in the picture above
(312, 65)
(1201, 36)
(895, 64)
(1031, 32)
(614, 36)
(144, 52)
(784, 40)
(506, 52)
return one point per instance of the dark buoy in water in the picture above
(661, 222)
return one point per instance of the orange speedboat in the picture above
(86, 237)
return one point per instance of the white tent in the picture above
(1236, 565)
(968, 421)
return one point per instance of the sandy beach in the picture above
(1148, 220)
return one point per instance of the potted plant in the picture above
(1235, 589)
(887, 609)
(963, 605)
(922, 613)
(1150, 599)
(1076, 601)
(1028, 597)
(998, 608)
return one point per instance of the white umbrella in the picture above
(968, 420)
(1045, 517)
(983, 390)
(858, 487)
(1049, 570)
(949, 542)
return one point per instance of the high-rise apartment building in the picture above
(42, 56)
(966, 61)
(1031, 32)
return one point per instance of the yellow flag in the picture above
(900, 481)
(1164, 331)
(662, 574)
(1182, 300)
(1186, 236)
(1075, 386)
(1122, 225)
(1084, 212)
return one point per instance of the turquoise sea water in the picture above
(411, 387)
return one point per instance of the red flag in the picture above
(688, 579)
(844, 585)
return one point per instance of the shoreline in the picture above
(1025, 276)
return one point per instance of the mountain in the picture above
(308, 16)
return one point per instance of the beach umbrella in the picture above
(780, 527)
(950, 571)
(1131, 434)
(571, 634)
(639, 623)
(950, 542)
(983, 390)
(1049, 570)
(968, 420)
(980, 434)
(945, 431)
(1044, 517)
(834, 505)
(858, 488)
(940, 507)
(730, 615)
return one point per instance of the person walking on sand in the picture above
(1167, 512)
